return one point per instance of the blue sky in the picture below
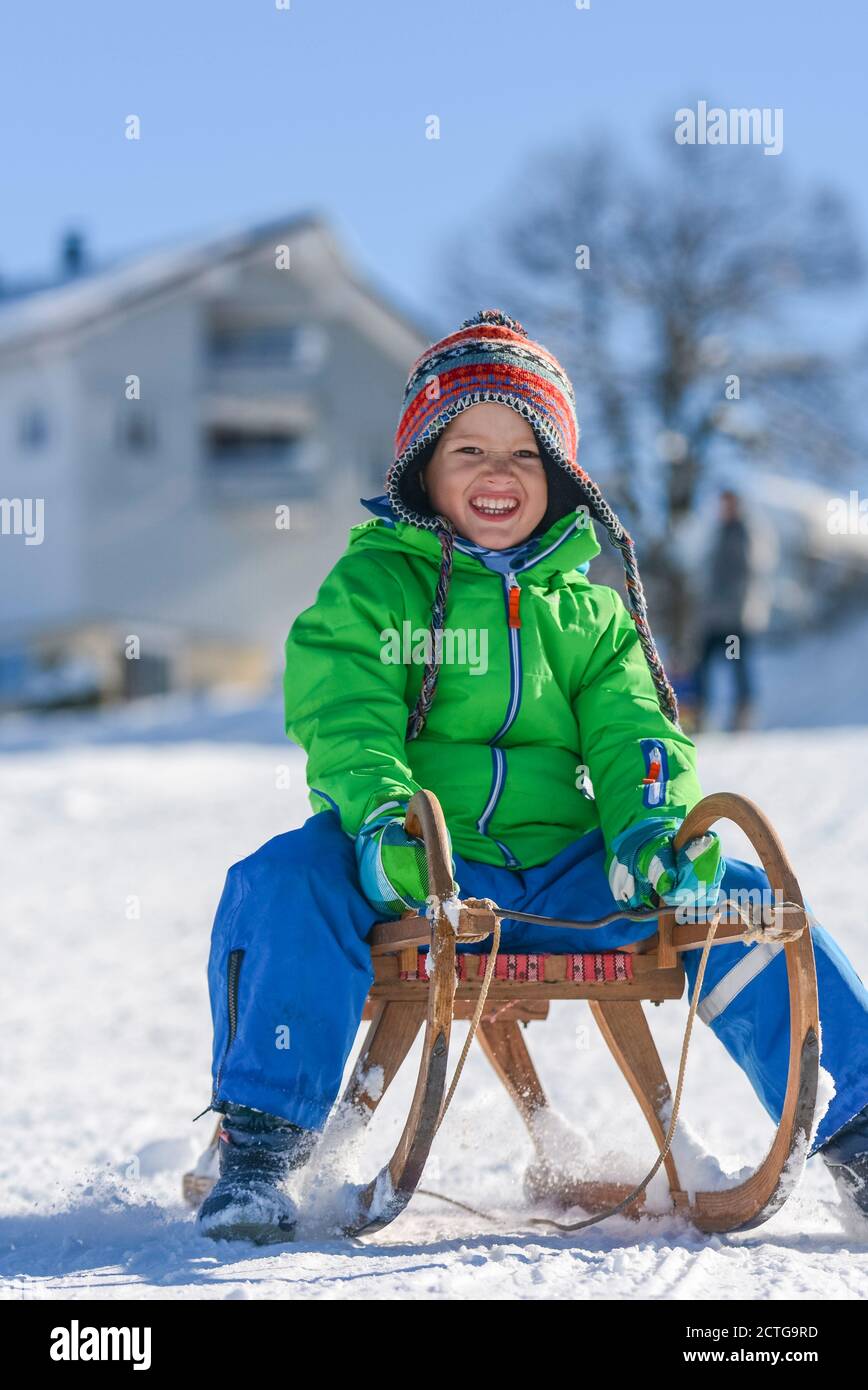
(248, 111)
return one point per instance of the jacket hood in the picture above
(570, 543)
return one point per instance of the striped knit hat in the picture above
(491, 358)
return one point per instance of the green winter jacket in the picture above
(538, 733)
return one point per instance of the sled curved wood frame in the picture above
(397, 1009)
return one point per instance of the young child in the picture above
(459, 645)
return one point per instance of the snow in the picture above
(451, 907)
(114, 859)
(825, 1095)
(372, 1082)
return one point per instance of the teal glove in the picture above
(393, 869)
(642, 862)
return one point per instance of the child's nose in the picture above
(498, 461)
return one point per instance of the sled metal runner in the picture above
(400, 1003)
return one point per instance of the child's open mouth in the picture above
(494, 506)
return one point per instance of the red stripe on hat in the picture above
(467, 374)
(548, 399)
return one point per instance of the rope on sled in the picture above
(623, 541)
(752, 933)
(676, 1104)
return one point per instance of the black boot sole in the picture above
(253, 1232)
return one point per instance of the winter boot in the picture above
(257, 1151)
(846, 1157)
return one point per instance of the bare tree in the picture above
(679, 323)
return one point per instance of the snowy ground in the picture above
(115, 857)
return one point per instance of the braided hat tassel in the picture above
(419, 716)
(623, 541)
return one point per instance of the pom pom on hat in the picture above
(496, 316)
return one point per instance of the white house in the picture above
(165, 419)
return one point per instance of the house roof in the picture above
(64, 311)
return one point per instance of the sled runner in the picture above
(500, 992)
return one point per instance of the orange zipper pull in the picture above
(653, 772)
(514, 601)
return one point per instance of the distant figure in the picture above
(730, 610)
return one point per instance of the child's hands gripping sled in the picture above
(393, 868)
(643, 862)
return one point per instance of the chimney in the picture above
(72, 254)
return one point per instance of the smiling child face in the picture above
(487, 476)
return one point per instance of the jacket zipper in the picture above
(232, 973)
(498, 756)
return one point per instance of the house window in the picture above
(150, 674)
(267, 345)
(260, 461)
(300, 346)
(33, 427)
(136, 429)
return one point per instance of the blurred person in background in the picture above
(734, 608)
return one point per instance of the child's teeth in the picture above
(507, 505)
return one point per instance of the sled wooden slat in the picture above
(659, 985)
(521, 1010)
(394, 1025)
(411, 932)
(387, 976)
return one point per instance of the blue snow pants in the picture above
(290, 969)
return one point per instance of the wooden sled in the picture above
(404, 998)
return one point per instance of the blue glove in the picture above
(393, 868)
(642, 862)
